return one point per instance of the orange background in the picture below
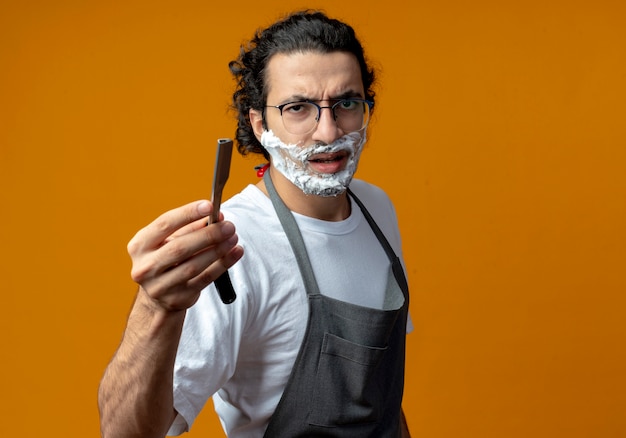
(499, 133)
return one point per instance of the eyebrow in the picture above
(345, 95)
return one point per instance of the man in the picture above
(314, 343)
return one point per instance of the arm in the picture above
(404, 427)
(174, 258)
(135, 396)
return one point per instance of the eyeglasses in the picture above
(301, 117)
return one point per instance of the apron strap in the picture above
(396, 266)
(295, 237)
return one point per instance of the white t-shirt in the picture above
(242, 353)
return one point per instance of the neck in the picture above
(328, 208)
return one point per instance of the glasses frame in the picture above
(369, 103)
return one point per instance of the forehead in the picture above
(312, 75)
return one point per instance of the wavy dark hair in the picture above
(299, 32)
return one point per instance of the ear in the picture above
(256, 121)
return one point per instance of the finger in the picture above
(196, 272)
(179, 250)
(189, 228)
(196, 225)
(153, 235)
(217, 268)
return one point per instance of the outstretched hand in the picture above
(178, 255)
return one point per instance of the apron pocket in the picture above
(344, 390)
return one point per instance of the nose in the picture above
(327, 130)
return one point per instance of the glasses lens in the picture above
(299, 117)
(351, 114)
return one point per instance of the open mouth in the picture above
(328, 158)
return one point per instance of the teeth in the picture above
(327, 160)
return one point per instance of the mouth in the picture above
(328, 158)
(328, 163)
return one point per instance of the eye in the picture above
(296, 107)
(348, 104)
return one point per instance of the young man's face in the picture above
(322, 78)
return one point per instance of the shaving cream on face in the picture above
(292, 161)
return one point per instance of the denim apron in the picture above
(348, 377)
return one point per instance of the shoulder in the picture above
(257, 224)
(374, 198)
(380, 207)
(250, 202)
